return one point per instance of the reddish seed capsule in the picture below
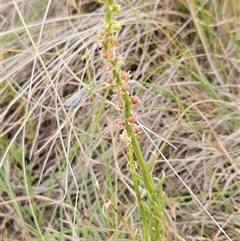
(136, 129)
(120, 90)
(110, 79)
(107, 54)
(118, 60)
(132, 119)
(125, 76)
(111, 40)
(120, 105)
(134, 99)
(117, 90)
(120, 122)
(107, 67)
(124, 89)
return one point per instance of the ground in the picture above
(62, 159)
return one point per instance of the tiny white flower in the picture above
(125, 138)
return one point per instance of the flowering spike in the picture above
(118, 79)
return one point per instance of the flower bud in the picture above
(116, 8)
(116, 26)
(101, 33)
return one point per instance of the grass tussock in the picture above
(58, 140)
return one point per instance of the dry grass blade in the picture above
(57, 135)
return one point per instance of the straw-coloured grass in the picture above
(58, 138)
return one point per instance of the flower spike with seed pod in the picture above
(118, 80)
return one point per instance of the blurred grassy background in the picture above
(184, 59)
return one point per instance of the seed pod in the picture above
(134, 100)
(137, 129)
(125, 76)
(124, 89)
(120, 123)
(110, 79)
(111, 40)
(107, 67)
(132, 119)
(120, 105)
(107, 54)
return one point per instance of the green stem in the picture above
(148, 182)
(139, 199)
(108, 14)
(147, 179)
